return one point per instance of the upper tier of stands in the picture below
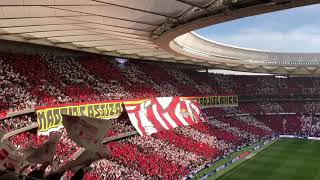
(29, 81)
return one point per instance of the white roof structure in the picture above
(150, 30)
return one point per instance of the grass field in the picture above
(286, 159)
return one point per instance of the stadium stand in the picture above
(32, 81)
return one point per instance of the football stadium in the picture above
(159, 89)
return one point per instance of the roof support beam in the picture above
(48, 30)
(86, 13)
(58, 5)
(57, 16)
(84, 41)
(135, 9)
(43, 24)
(106, 24)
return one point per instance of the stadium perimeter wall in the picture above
(299, 137)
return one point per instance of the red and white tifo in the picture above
(162, 113)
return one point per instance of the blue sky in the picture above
(293, 30)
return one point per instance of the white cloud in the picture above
(301, 39)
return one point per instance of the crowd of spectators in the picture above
(310, 125)
(17, 122)
(268, 107)
(168, 154)
(293, 107)
(106, 169)
(174, 153)
(64, 79)
(312, 107)
(220, 134)
(219, 123)
(61, 79)
(14, 94)
(251, 120)
(224, 84)
(262, 108)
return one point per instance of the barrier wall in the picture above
(300, 137)
(4, 115)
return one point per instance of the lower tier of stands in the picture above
(175, 153)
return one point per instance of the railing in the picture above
(120, 136)
(17, 113)
(15, 132)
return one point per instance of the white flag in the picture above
(86, 132)
(44, 153)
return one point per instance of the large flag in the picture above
(85, 131)
(9, 158)
(162, 113)
(44, 153)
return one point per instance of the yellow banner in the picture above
(50, 119)
(217, 101)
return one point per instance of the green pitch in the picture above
(286, 159)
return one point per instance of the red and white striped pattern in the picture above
(162, 113)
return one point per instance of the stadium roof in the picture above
(148, 29)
